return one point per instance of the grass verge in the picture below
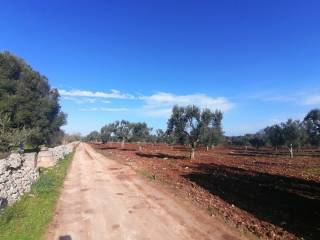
(28, 218)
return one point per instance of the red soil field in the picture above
(265, 196)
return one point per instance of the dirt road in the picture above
(103, 199)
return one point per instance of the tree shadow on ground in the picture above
(128, 149)
(160, 155)
(107, 148)
(269, 154)
(66, 237)
(291, 203)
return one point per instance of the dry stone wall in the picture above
(48, 157)
(19, 171)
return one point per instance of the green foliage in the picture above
(185, 124)
(140, 132)
(29, 108)
(163, 137)
(211, 130)
(275, 135)
(240, 140)
(29, 217)
(191, 125)
(312, 126)
(292, 133)
(125, 131)
(108, 132)
(257, 140)
(94, 136)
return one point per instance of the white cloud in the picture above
(120, 109)
(84, 93)
(80, 100)
(158, 105)
(312, 100)
(102, 109)
(161, 103)
(298, 98)
(89, 109)
(202, 100)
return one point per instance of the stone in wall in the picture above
(17, 173)
(49, 157)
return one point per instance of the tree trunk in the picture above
(122, 143)
(291, 151)
(192, 153)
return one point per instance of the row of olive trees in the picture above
(292, 134)
(122, 130)
(187, 125)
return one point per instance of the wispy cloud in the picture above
(312, 100)
(102, 109)
(115, 94)
(298, 98)
(202, 100)
(158, 105)
(79, 100)
(161, 103)
(276, 97)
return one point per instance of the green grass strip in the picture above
(29, 217)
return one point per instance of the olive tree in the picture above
(211, 131)
(108, 132)
(140, 132)
(123, 130)
(292, 133)
(164, 137)
(312, 126)
(93, 136)
(240, 140)
(275, 135)
(191, 124)
(257, 140)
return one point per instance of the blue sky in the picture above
(258, 61)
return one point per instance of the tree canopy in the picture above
(312, 126)
(192, 125)
(29, 108)
(125, 131)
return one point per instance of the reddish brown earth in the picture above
(263, 195)
(103, 199)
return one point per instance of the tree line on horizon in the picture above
(192, 126)
(188, 125)
(292, 134)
